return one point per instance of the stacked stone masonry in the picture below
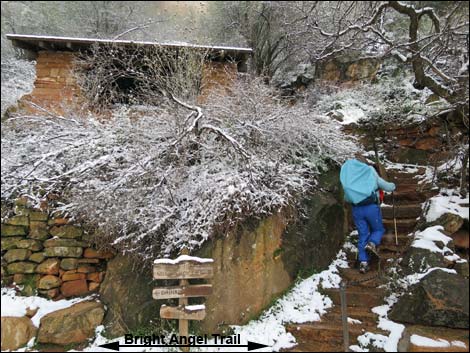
(55, 87)
(49, 255)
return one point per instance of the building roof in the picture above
(52, 43)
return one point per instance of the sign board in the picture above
(181, 313)
(183, 270)
(200, 290)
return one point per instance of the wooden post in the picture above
(183, 324)
(183, 268)
(182, 302)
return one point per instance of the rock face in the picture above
(16, 332)
(253, 264)
(422, 142)
(348, 68)
(74, 288)
(451, 222)
(439, 299)
(419, 260)
(299, 77)
(258, 262)
(127, 293)
(71, 325)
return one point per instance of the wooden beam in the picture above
(183, 270)
(200, 290)
(24, 45)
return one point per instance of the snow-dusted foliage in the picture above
(17, 79)
(392, 99)
(154, 181)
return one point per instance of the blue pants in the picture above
(368, 221)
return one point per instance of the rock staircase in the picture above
(327, 335)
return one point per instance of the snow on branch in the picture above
(150, 197)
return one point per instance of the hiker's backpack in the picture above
(359, 182)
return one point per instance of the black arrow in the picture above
(115, 346)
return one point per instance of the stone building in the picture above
(55, 85)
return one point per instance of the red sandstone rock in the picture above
(93, 286)
(95, 277)
(86, 269)
(74, 288)
(92, 253)
(73, 276)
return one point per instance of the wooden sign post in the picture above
(183, 268)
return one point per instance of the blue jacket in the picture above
(360, 180)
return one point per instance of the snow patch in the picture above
(447, 203)
(422, 341)
(303, 303)
(182, 258)
(14, 305)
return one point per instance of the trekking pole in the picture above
(344, 315)
(394, 219)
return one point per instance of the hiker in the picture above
(361, 184)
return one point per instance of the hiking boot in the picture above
(370, 247)
(364, 267)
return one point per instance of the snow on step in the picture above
(425, 344)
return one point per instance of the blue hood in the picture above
(358, 179)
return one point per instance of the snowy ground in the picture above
(448, 201)
(14, 305)
(301, 304)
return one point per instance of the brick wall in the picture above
(55, 88)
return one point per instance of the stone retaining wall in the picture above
(49, 254)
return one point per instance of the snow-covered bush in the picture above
(392, 99)
(17, 79)
(151, 184)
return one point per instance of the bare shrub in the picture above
(115, 74)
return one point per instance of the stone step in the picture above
(392, 248)
(403, 187)
(366, 316)
(357, 296)
(405, 198)
(330, 333)
(389, 238)
(353, 275)
(405, 173)
(385, 257)
(314, 347)
(406, 180)
(403, 225)
(402, 211)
